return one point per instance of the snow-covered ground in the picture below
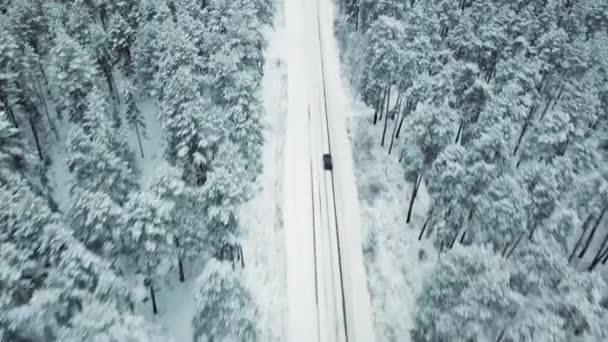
(263, 243)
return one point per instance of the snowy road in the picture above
(327, 288)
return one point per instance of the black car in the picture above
(327, 164)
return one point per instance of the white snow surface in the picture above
(262, 220)
(315, 289)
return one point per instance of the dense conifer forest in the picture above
(78, 80)
(500, 108)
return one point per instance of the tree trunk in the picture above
(600, 254)
(459, 131)
(153, 297)
(546, 109)
(463, 236)
(453, 242)
(242, 257)
(524, 129)
(501, 335)
(180, 268)
(408, 107)
(426, 222)
(141, 149)
(377, 108)
(397, 107)
(387, 105)
(592, 233)
(385, 124)
(521, 235)
(390, 148)
(414, 193)
(532, 231)
(35, 134)
(580, 238)
(605, 259)
(521, 136)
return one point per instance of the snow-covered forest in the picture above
(142, 167)
(481, 143)
(131, 133)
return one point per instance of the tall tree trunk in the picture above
(592, 234)
(153, 297)
(180, 268)
(524, 129)
(141, 149)
(605, 259)
(580, 238)
(35, 134)
(377, 107)
(390, 148)
(242, 257)
(453, 242)
(546, 109)
(414, 193)
(521, 235)
(532, 231)
(386, 106)
(459, 131)
(385, 125)
(463, 236)
(501, 335)
(408, 107)
(426, 222)
(599, 255)
(521, 136)
(397, 107)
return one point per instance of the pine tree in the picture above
(429, 130)
(95, 150)
(227, 187)
(102, 322)
(9, 52)
(500, 214)
(146, 56)
(133, 115)
(466, 298)
(224, 306)
(445, 185)
(149, 237)
(73, 74)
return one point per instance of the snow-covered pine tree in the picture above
(146, 56)
(133, 115)
(466, 298)
(148, 238)
(9, 65)
(103, 179)
(224, 306)
(72, 74)
(429, 130)
(99, 321)
(445, 185)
